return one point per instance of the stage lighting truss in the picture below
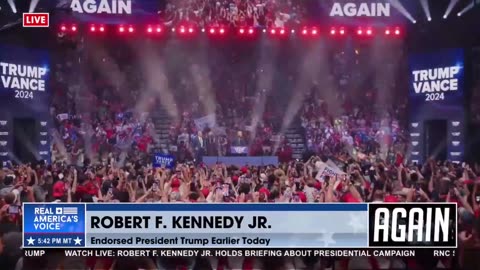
(185, 30)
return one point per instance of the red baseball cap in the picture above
(58, 189)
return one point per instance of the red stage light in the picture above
(360, 32)
(314, 31)
(74, 28)
(212, 30)
(342, 31)
(93, 28)
(282, 31)
(130, 29)
(250, 31)
(387, 32)
(149, 29)
(241, 30)
(102, 29)
(121, 29)
(63, 28)
(182, 30)
(273, 31)
(305, 31)
(190, 30)
(222, 31)
(159, 29)
(333, 31)
(369, 32)
(397, 32)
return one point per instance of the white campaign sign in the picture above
(102, 6)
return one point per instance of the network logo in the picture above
(415, 124)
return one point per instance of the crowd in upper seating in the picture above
(236, 13)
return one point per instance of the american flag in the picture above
(70, 211)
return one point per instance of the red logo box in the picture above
(36, 20)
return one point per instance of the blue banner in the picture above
(161, 160)
(437, 93)
(24, 94)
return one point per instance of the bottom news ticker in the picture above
(240, 252)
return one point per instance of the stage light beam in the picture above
(450, 7)
(467, 8)
(12, 6)
(398, 6)
(426, 9)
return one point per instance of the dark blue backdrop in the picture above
(34, 104)
(449, 106)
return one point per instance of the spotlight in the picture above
(369, 32)
(149, 29)
(342, 31)
(387, 32)
(93, 28)
(241, 31)
(159, 29)
(459, 14)
(273, 31)
(333, 31)
(397, 32)
(203, 30)
(414, 22)
(182, 30)
(102, 29)
(212, 30)
(264, 30)
(121, 29)
(250, 31)
(282, 31)
(444, 16)
(222, 31)
(130, 29)
(293, 31)
(359, 32)
(190, 30)
(314, 31)
(74, 28)
(63, 28)
(430, 19)
(305, 31)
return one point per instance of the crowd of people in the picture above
(105, 135)
(362, 180)
(236, 13)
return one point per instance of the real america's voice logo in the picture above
(413, 225)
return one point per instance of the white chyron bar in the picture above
(360, 10)
(436, 80)
(102, 6)
(22, 77)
